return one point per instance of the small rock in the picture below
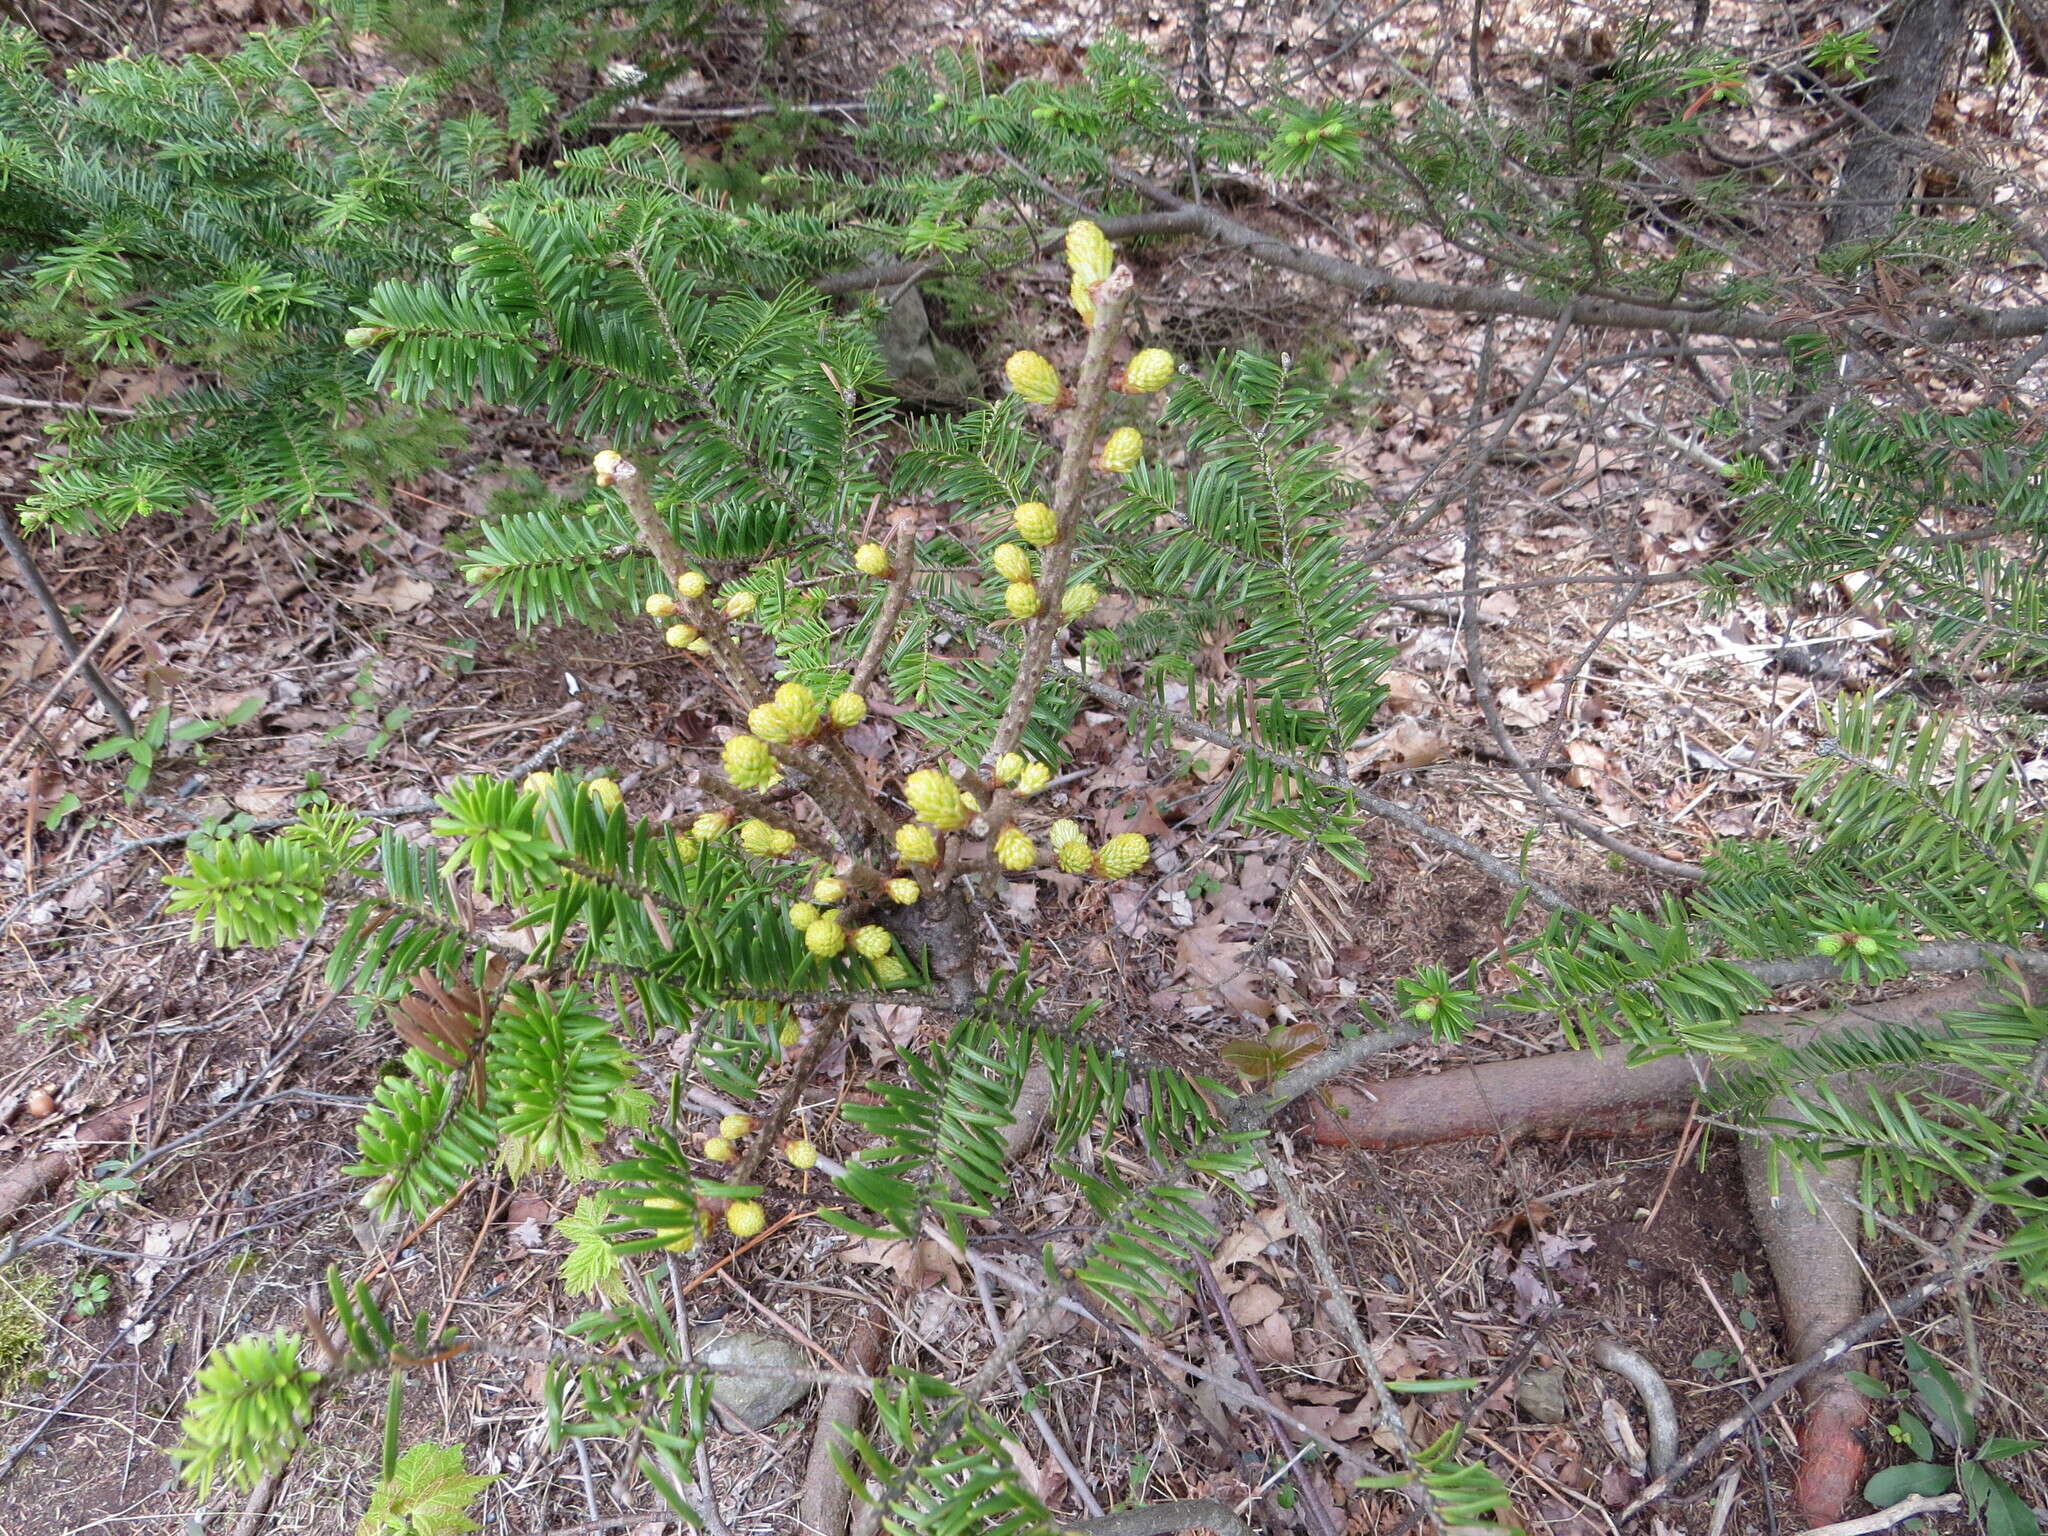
(756, 1401)
(1539, 1396)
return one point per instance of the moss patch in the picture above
(28, 1299)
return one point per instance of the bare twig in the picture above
(1659, 1411)
(1378, 286)
(32, 577)
(823, 1506)
(1786, 1381)
(27, 404)
(1112, 295)
(1310, 1232)
(82, 660)
(1909, 1508)
(902, 569)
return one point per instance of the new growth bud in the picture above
(1036, 523)
(1033, 378)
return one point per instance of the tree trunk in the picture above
(1877, 172)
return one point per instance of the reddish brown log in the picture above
(1808, 1228)
(1812, 1251)
(1580, 1093)
(35, 1176)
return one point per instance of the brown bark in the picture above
(1583, 1093)
(35, 1176)
(822, 1508)
(1877, 172)
(1809, 1237)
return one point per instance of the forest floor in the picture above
(374, 680)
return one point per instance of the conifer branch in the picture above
(902, 548)
(1091, 389)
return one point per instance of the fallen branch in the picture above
(32, 578)
(1584, 1093)
(1807, 1235)
(822, 1508)
(1909, 1508)
(34, 1177)
(1660, 1414)
(1789, 1380)
(1378, 286)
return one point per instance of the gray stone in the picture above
(1539, 1395)
(756, 1401)
(923, 368)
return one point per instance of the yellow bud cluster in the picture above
(719, 1149)
(681, 636)
(767, 842)
(692, 584)
(745, 1218)
(710, 826)
(890, 970)
(1150, 370)
(871, 560)
(916, 845)
(825, 938)
(1007, 767)
(801, 915)
(659, 605)
(769, 723)
(1062, 832)
(688, 849)
(740, 604)
(799, 707)
(1036, 523)
(538, 783)
(829, 891)
(749, 763)
(1021, 599)
(1123, 450)
(1014, 851)
(1033, 779)
(1033, 378)
(736, 1126)
(801, 1154)
(606, 793)
(677, 1238)
(936, 799)
(1090, 257)
(1124, 854)
(903, 891)
(1074, 855)
(1078, 599)
(873, 941)
(1011, 562)
(848, 710)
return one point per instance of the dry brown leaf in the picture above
(1254, 1304)
(1272, 1341)
(919, 1266)
(263, 799)
(1254, 1237)
(400, 594)
(1215, 965)
(1404, 745)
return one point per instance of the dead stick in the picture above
(32, 577)
(1909, 1508)
(78, 663)
(1838, 1346)
(826, 1497)
(34, 1176)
